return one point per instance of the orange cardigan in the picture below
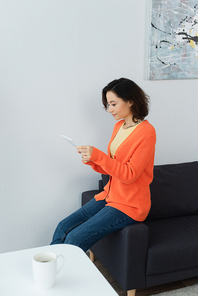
(131, 171)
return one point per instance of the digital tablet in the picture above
(70, 141)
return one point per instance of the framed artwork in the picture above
(173, 49)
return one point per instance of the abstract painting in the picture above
(173, 39)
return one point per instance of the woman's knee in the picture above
(72, 238)
(59, 231)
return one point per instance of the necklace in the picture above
(131, 125)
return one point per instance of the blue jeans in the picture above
(89, 224)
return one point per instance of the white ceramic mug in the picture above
(45, 269)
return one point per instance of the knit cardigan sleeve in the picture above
(96, 167)
(126, 172)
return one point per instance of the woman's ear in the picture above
(130, 103)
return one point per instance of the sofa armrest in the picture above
(88, 195)
(124, 254)
(100, 183)
(136, 250)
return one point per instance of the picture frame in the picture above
(173, 46)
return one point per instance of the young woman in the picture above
(129, 162)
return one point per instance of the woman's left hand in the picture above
(86, 152)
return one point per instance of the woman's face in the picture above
(117, 107)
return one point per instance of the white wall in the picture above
(56, 56)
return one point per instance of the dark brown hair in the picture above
(128, 90)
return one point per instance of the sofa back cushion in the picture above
(174, 190)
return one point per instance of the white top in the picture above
(79, 275)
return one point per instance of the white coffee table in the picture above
(78, 277)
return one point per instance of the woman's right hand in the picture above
(85, 151)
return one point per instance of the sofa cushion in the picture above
(173, 244)
(174, 190)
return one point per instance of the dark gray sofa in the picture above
(164, 248)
